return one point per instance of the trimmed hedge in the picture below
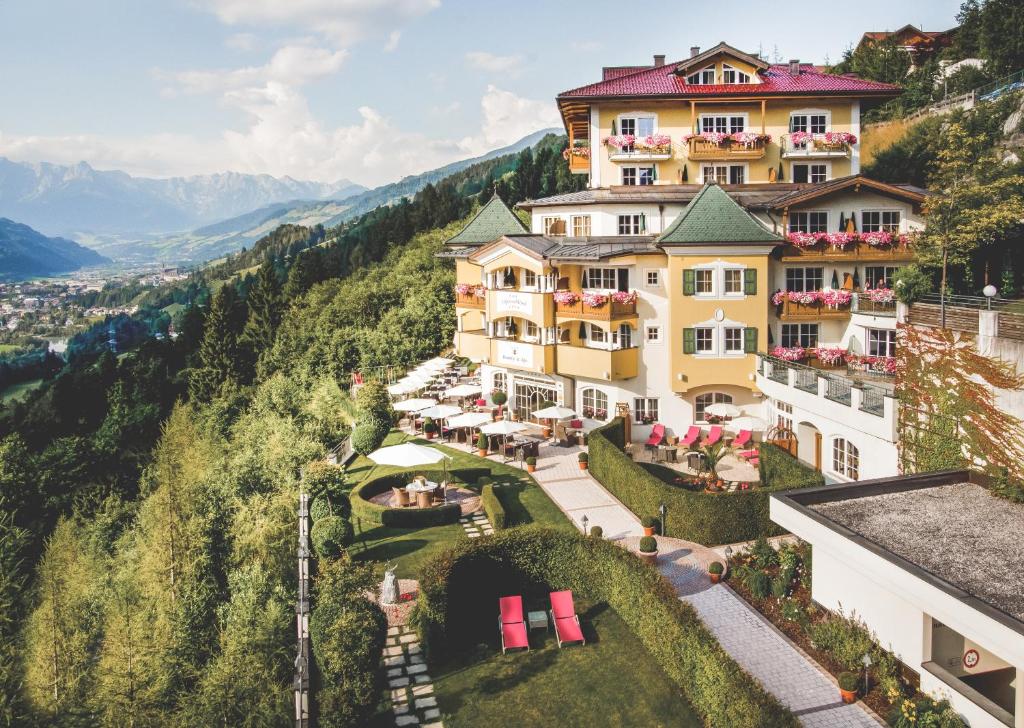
(380, 515)
(459, 591)
(706, 518)
(492, 507)
(330, 536)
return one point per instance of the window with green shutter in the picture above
(750, 281)
(689, 282)
(689, 341)
(750, 340)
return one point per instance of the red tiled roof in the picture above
(610, 72)
(661, 81)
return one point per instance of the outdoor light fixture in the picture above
(990, 292)
(585, 521)
(662, 510)
(728, 553)
(866, 661)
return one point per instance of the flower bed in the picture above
(459, 590)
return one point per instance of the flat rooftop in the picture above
(956, 531)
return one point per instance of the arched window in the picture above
(704, 401)
(595, 404)
(845, 459)
(501, 381)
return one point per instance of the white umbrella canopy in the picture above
(723, 409)
(431, 366)
(402, 388)
(413, 405)
(464, 390)
(408, 455)
(554, 413)
(442, 360)
(469, 419)
(441, 411)
(754, 424)
(503, 427)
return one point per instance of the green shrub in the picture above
(648, 544)
(330, 536)
(925, 712)
(780, 587)
(459, 591)
(483, 480)
(492, 507)
(319, 508)
(499, 397)
(779, 470)
(367, 437)
(323, 478)
(758, 582)
(583, 457)
(705, 518)
(762, 553)
(481, 442)
(429, 425)
(912, 283)
(715, 567)
(531, 460)
(846, 639)
(597, 532)
(649, 522)
(847, 681)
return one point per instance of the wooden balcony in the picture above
(817, 310)
(857, 251)
(594, 363)
(702, 149)
(608, 312)
(579, 164)
(470, 300)
(813, 149)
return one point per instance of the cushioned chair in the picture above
(401, 497)
(657, 435)
(692, 435)
(714, 435)
(440, 493)
(511, 625)
(743, 438)
(567, 623)
(576, 424)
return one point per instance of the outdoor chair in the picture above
(440, 493)
(714, 436)
(576, 424)
(561, 435)
(657, 435)
(563, 615)
(692, 435)
(511, 625)
(401, 497)
(743, 438)
(747, 454)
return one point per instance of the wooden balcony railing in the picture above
(606, 312)
(700, 148)
(470, 300)
(818, 309)
(858, 250)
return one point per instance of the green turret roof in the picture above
(493, 221)
(714, 217)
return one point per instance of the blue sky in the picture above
(368, 90)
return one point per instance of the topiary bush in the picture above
(330, 536)
(324, 478)
(715, 567)
(492, 507)
(367, 437)
(319, 509)
(460, 587)
(597, 532)
(707, 518)
(847, 681)
(648, 544)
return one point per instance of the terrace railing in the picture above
(869, 398)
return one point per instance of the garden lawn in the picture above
(610, 681)
(524, 502)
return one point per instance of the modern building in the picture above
(726, 250)
(931, 564)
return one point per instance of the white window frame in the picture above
(636, 171)
(698, 273)
(642, 406)
(716, 398)
(718, 269)
(803, 278)
(700, 76)
(726, 351)
(809, 113)
(529, 286)
(603, 275)
(874, 339)
(745, 115)
(728, 171)
(783, 414)
(871, 281)
(548, 220)
(584, 219)
(726, 293)
(807, 213)
(726, 68)
(881, 211)
(656, 331)
(597, 335)
(593, 395)
(635, 116)
(845, 459)
(712, 341)
(638, 220)
(526, 335)
(816, 163)
(800, 334)
(648, 272)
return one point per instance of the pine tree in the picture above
(219, 351)
(265, 303)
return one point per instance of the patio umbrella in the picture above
(722, 409)
(431, 366)
(469, 419)
(554, 413)
(747, 422)
(503, 427)
(464, 390)
(402, 388)
(441, 411)
(413, 405)
(409, 455)
(443, 361)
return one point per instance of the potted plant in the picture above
(531, 464)
(715, 570)
(848, 686)
(499, 398)
(481, 445)
(597, 532)
(429, 428)
(649, 549)
(649, 523)
(712, 456)
(584, 460)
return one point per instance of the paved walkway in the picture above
(410, 687)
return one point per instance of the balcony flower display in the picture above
(806, 298)
(800, 138)
(588, 412)
(789, 353)
(749, 138)
(654, 143)
(878, 238)
(880, 295)
(464, 289)
(834, 298)
(620, 141)
(841, 240)
(580, 148)
(718, 138)
(594, 300)
(830, 355)
(806, 240)
(566, 298)
(778, 297)
(880, 364)
(838, 138)
(624, 297)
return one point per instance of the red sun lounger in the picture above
(743, 438)
(692, 435)
(657, 435)
(714, 435)
(511, 625)
(563, 614)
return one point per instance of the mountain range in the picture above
(25, 253)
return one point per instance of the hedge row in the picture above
(492, 507)
(459, 591)
(380, 515)
(706, 518)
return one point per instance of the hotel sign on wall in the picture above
(514, 353)
(513, 302)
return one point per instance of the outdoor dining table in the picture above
(422, 490)
(666, 453)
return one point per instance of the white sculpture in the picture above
(389, 587)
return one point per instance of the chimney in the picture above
(694, 51)
(794, 66)
(659, 61)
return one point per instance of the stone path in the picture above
(410, 686)
(476, 525)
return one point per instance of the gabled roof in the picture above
(823, 189)
(723, 47)
(714, 217)
(493, 221)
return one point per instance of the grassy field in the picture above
(16, 391)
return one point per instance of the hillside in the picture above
(25, 252)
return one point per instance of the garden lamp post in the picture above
(662, 510)
(866, 661)
(584, 521)
(990, 292)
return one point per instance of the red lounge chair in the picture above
(576, 424)
(657, 435)
(563, 614)
(692, 435)
(743, 438)
(511, 624)
(747, 454)
(714, 435)
(755, 461)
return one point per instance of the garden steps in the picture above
(410, 687)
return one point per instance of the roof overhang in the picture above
(490, 251)
(856, 182)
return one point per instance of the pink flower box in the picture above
(830, 355)
(789, 353)
(594, 300)
(566, 298)
(624, 297)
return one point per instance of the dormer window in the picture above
(703, 77)
(734, 75)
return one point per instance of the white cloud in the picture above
(343, 21)
(508, 118)
(241, 42)
(494, 64)
(393, 39)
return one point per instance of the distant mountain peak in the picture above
(26, 253)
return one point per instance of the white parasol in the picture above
(556, 412)
(413, 405)
(723, 409)
(441, 411)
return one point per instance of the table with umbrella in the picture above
(411, 455)
(504, 428)
(555, 412)
(468, 420)
(440, 412)
(723, 409)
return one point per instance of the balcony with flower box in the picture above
(594, 306)
(880, 245)
(812, 304)
(578, 156)
(805, 145)
(719, 145)
(595, 362)
(875, 302)
(469, 296)
(630, 148)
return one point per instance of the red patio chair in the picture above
(511, 625)
(714, 435)
(692, 435)
(743, 438)
(747, 454)
(755, 461)
(567, 623)
(576, 424)
(657, 435)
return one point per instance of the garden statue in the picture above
(389, 587)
